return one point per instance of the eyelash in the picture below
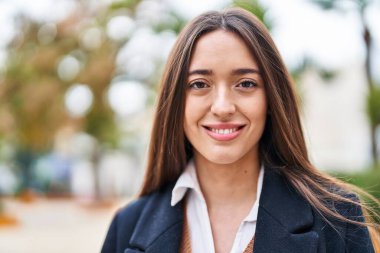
(252, 84)
(194, 84)
(205, 85)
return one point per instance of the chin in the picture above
(222, 159)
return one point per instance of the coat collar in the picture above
(159, 228)
(284, 221)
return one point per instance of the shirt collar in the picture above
(188, 180)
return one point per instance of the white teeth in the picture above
(224, 131)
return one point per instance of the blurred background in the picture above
(78, 83)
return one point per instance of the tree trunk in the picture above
(367, 37)
(95, 159)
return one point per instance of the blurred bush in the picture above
(368, 179)
(373, 106)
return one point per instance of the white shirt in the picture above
(197, 215)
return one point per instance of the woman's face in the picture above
(226, 106)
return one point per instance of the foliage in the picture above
(254, 7)
(32, 92)
(338, 4)
(174, 23)
(368, 180)
(325, 4)
(373, 106)
(28, 86)
(125, 4)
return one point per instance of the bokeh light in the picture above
(119, 28)
(68, 68)
(78, 100)
(127, 98)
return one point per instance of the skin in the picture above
(224, 86)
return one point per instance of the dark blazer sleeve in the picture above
(357, 237)
(122, 227)
(110, 241)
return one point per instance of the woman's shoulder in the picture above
(345, 203)
(352, 233)
(122, 225)
(133, 215)
(132, 208)
(137, 205)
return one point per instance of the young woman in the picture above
(228, 169)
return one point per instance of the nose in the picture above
(223, 105)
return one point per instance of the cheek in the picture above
(255, 112)
(261, 113)
(190, 117)
(261, 118)
(193, 112)
(260, 108)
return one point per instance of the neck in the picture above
(228, 185)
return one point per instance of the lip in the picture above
(225, 136)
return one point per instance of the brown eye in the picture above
(198, 85)
(247, 84)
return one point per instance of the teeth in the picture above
(224, 131)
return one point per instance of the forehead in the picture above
(221, 49)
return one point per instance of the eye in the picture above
(247, 84)
(198, 85)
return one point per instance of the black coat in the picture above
(286, 224)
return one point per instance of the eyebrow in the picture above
(203, 72)
(208, 72)
(245, 71)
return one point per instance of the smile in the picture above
(223, 132)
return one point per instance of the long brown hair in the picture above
(282, 146)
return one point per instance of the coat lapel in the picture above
(284, 219)
(160, 226)
(283, 225)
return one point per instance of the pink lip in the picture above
(223, 137)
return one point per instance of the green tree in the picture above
(32, 92)
(255, 8)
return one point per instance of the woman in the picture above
(228, 169)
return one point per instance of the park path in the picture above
(56, 226)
